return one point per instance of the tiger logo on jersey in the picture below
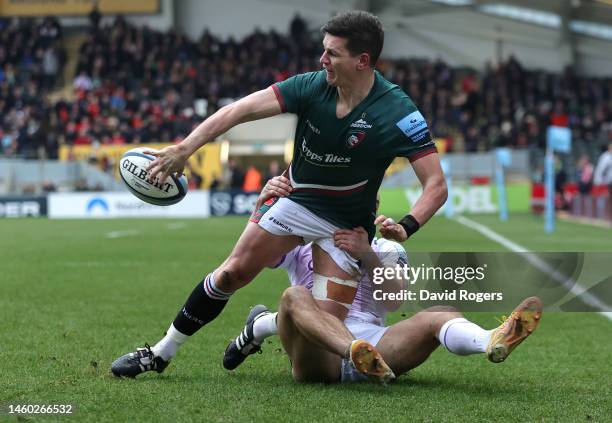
(355, 138)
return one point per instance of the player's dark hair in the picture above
(363, 31)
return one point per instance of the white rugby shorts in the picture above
(285, 217)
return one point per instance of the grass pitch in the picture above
(74, 295)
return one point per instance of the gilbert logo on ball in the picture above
(133, 171)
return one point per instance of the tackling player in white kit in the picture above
(310, 336)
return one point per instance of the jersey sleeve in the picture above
(295, 93)
(390, 253)
(409, 135)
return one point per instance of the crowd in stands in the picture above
(505, 105)
(138, 85)
(31, 61)
(250, 180)
(135, 84)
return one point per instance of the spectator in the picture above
(195, 179)
(297, 28)
(233, 176)
(603, 172)
(273, 170)
(48, 186)
(82, 82)
(95, 17)
(585, 175)
(81, 185)
(252, 180)
(50, 64)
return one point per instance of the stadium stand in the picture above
(31, 59)
(134, 84)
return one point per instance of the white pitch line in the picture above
(120, 234)
(569, 283)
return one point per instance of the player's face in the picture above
(336, 60)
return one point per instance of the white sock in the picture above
(462, 337)
(168, 346)
(264, 327)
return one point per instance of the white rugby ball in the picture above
(133, 171)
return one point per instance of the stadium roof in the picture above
(586, 17)
(543, 34)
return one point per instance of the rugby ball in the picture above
(133, 171)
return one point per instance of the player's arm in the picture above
(434, 195)
(355, 242)
(258, 105)
(393, 255)
(394, 259)
(279, 186)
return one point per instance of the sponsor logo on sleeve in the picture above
(413, 126)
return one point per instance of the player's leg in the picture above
(521, 323)
(316, 342)
(260, 324)
(335, 272)
(255, 248)
(407, 344)
(310, 361)
(287, 217)
(334, 288)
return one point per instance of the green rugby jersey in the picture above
(338, 164)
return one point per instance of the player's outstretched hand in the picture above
(389, 229)
(353, 241)
(168, 160)
(279, 186)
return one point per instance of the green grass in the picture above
(72, 300)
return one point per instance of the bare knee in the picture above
(288, 306)
(231, 277)
(293, 297)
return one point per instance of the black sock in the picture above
(203, 305)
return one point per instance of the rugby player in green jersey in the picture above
(352, 123)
